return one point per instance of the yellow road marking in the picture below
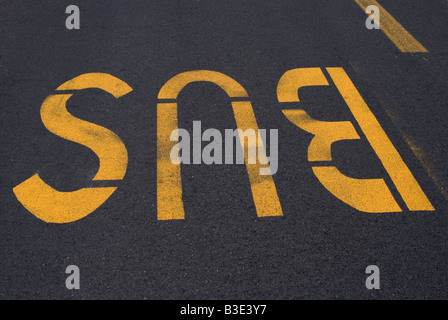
(366, 195)
(404, 41)
(109, 148)
(407, 186)
(417, 151)
(263, 188)
(415, 148)
(54, 206)
(169, 184)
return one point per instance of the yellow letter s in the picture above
(53, 206)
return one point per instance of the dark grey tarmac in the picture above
(319, 249)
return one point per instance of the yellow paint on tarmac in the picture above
(53, 206)
(170, 205)
(103, 81)
(325, 132)
(109, 148)
(404, 41)
(417, 151)
(263, 188)
(169, 185)
(415, 148)
(407, 186)
(366, 195)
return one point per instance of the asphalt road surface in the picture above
(320, 247)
